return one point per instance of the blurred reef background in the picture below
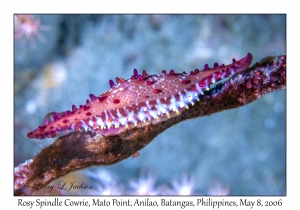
(235, 152)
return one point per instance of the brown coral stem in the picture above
(80, 150)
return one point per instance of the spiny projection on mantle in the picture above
(139, 101)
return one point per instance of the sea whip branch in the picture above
(83, 149)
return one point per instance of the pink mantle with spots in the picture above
(141, 100)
